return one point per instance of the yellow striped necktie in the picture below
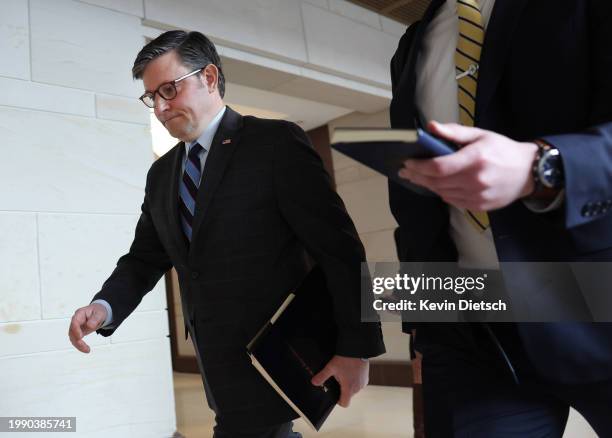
(467, 59)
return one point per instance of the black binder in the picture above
(295, 344)
(385, 150)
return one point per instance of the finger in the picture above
(440, 186)
(322, 376)
(460, 184)
(454, 132)
(82, 346)
(426, 167)
(456, 191)
(77, 321)
(79, 344)
(448, 165)
(417, 178)
(345, 397)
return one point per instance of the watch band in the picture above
(539, 189)
(535, 175)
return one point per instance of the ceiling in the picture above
(302, 98)
(404, 11)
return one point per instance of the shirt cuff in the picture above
(544, 206)
(109, 313)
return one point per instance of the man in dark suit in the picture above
(532, 182)
(242, 208)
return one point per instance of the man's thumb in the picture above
(454, 132)
(322, 376)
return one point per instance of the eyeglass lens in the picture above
(166, 91)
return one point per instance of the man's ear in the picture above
(210, 77)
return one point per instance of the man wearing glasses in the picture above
(242, 208)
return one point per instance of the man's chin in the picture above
(176, 133)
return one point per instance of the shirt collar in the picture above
(205, 139)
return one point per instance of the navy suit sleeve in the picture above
(587, 163)
(587, 155)
(137, 272)
(319, 219)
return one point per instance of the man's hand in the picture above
(490, 171)
(351, 373)
(85, 320)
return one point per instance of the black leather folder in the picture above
(294, 345)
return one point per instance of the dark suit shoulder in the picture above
(168, 157)
(284, 136)
(279, 141)
(166, 161)
(267, 128)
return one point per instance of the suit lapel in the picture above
(175, 222)
(503, 22)
(222, 148)
(403, 106)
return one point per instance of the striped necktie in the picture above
(467, 59)
(188, 189)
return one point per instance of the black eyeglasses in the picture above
(167, 90)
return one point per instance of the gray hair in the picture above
(193, 49)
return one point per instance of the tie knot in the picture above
(195, 150)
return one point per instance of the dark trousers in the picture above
(469, 391)
(223, 429)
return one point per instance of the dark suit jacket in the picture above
(544, 73)
(265, 213)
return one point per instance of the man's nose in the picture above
(161, 104)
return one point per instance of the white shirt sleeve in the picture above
(544, 206)
(109, 313)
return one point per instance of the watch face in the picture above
(550, 169)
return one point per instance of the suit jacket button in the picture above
(195, 274)
(586, 211)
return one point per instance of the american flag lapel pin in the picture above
(226, 141)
